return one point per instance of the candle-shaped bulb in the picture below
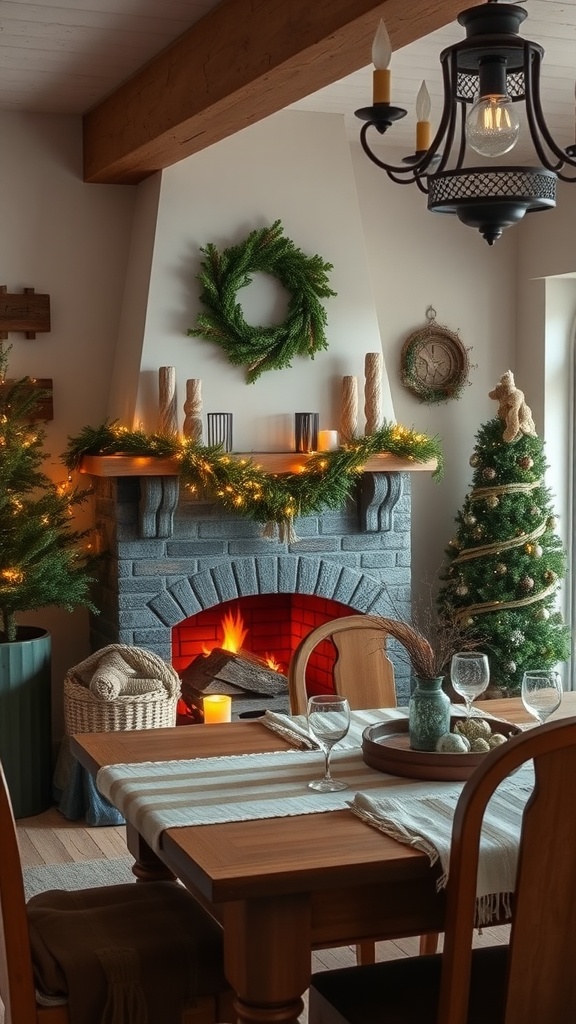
(381, 48)
(423, 105)
(423, 130)
(381, 54)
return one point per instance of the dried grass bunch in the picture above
(430, 658)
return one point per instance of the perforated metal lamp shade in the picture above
(492, 200)
(493, 58)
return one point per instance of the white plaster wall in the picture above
(418, 259)
(69, 240)
(295, 167)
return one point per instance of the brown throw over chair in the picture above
(530, 980)
(123, 953)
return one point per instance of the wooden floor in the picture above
(50, 839)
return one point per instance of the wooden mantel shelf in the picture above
(270, 462)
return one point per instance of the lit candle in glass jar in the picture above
(217, 708)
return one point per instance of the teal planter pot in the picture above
(25, 720)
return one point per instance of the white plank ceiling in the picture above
(64, 57)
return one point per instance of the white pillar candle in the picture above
(327, 440)
(217, 708)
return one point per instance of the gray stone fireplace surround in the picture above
(167, 556)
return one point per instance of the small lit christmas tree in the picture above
(506, 561)
(43, 560)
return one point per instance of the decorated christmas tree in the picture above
(43, 559)
(506, 561)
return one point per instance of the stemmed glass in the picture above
(328, 722)
(541, 692)
(470, 675)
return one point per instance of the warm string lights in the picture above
(325, 480)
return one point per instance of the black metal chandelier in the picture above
(484, 75)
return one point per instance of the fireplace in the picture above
(172, 565)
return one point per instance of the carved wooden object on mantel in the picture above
(25, 311)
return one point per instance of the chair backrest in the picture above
(362, 671)
(541, 977)
(16, 977)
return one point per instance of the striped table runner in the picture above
(154, 796)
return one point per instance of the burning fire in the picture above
(234, 633)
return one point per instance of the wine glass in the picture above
(470, 675)
(328, 722)
(541, 692)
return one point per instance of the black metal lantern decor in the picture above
(484, 75)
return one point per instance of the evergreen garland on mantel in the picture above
(240, 485)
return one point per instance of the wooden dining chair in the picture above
(530, 980)
(362, 671)
(106, 933)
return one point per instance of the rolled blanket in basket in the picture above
(120, 670)
(109, 686)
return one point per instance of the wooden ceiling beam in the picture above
(245, 60)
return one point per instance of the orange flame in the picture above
(233, 632)
(272, 663)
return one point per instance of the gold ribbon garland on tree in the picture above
(468, 554)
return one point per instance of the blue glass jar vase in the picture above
(428, 714)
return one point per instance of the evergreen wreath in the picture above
(240, 485)
(224, 273)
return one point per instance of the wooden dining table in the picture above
(281, 886)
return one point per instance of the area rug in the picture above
(81, 874)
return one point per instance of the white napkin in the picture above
(294, 728)
(425, 822)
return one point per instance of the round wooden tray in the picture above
(386, 747)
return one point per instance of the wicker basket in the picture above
(83, 712)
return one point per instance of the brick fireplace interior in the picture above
(275, 625)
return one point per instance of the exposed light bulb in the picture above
(381, 48)
(492, 125)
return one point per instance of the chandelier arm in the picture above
(447, 126)
(537, 121)
(390, 169)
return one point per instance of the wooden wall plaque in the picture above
(23, 311)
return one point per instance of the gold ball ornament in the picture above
(500, 569)
(474, 460)
(510, 667)
(550, 576)
(462, 590)
(489, 473)
(479, 746)
(473, 728)
(526, 584)
(478, 532)
(492, 501)
(496, 740)
(470, 519)
(551, 523)
(526, 462)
